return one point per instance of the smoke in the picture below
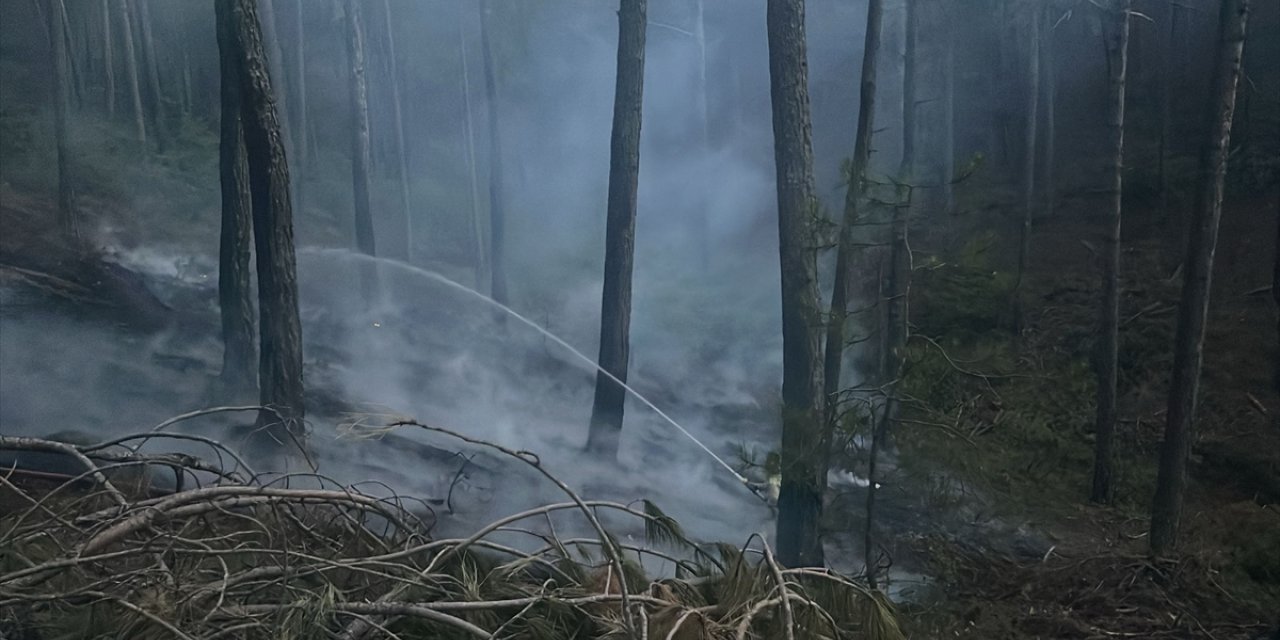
(705, 326)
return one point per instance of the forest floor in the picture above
(1009, 417)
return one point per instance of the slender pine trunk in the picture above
(949, 113)
(280, 353)
(477, 223)
(235, 292)
(701, 221)
(393, 72)
(75, 72)
(1117, 46)
(1028, 162)
(303, 156)
(1193, 310)
(279, 82)
(153, 72)
(620, 231)
(108, 63)
(131, 72)
(68, 219)
(803, 481)
(1049, 71)
(497, 207)
(1166, 113)
(833, 357)
(359, 101)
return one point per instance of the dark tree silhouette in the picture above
(235, 291)
(1193, 310)
(280, 354)
(803, 480)
(853, 210)
(1117, 46)
(153, 71)
(359, 129)
(393, 73)
(131, 71)
(108, 63)
(1028, 158)
(620, 231)
(68, 219)
(497, 208)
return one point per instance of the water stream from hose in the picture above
(432, 275)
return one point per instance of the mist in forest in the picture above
(705, 324)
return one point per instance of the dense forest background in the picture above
(489, 172)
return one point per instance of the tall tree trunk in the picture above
(131, 72)
(803, 480)
(280, 353)
(949, 112)
(75, 74)
(497, 210)
(911, 26)
(68, 219)
(300, 92)
(394, 74)
(359, 93)
(620, 231)
(702, 224)
(153, 72)
(1117, 46)
(834, 356)
(275, 65)
(235, 291)
(1193, 310)
(1049, 69)
(1028, 161)
(476, 222)
(108, 64)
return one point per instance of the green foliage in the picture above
(964, 295)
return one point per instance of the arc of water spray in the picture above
(558, 340)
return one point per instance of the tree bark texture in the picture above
(235, 302)
(359, 94)
(68, 219)
(800, 497)
(131, 71)
(497, 205)
(275, 66)
(1028, 160)
(398, 118)
(280, 353)
(1107, 353)
(620, 231)
(1193, 310)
